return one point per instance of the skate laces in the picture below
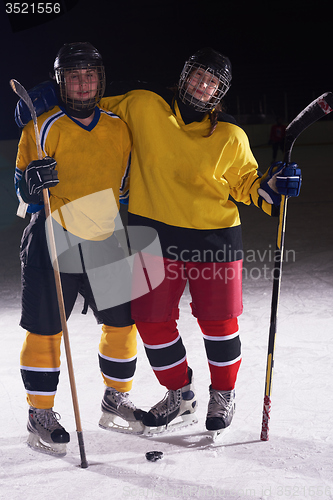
(49, 419)
(220, 403)
(121, 399)
(170, 402)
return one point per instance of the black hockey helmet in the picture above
(79, 55)
(212, 63)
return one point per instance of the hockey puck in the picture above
(153, 456)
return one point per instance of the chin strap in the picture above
(78, 113)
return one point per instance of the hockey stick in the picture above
(23, 94)
(320, 107)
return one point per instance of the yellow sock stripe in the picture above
(118, 343)
(41, 351)
(40, 401)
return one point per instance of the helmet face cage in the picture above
(84, 74)
(205, 77)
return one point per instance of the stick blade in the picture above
(23, 94)
(318, 108)
(329, 99)
(18, 88)
(13, 83)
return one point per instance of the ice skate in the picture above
(221, 409)
(174, 411)
(45, 432)
(119, 413)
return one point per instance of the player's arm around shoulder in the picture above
(112, 103)
(120, 105)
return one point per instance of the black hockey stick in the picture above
(23, 94)
(320, 107)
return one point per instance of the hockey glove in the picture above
(280, 180)
(38, 175)
(44, 98)
(288, 182)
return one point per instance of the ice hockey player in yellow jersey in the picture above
(190, 163)
(85, 167)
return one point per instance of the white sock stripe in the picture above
(37, 369)
(40, 393)
(118, 379)
(162, 346)
(221, 338)
(225, 363)
(117, 360)
(291, 177)
(167, 367)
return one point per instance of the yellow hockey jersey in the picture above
(179, 176)
(92, 165)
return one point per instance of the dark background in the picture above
(280, 51)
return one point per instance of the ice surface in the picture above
(297, 461)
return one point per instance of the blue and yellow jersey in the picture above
(92, 162)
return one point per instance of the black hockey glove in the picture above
(38, 175)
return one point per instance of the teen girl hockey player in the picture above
(90, 149)
(189, 161)
(189, 158)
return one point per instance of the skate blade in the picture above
(218, 436)
(36, 443)
(185, 421)
(111, 422)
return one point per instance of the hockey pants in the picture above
(216, 295)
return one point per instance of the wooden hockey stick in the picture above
(23, 94)
(318, 108)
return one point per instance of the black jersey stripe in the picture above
(40, 381)
(195, 245)
(160, 357)
(224, 351)
(115, 370)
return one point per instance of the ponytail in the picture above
(213, 122)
